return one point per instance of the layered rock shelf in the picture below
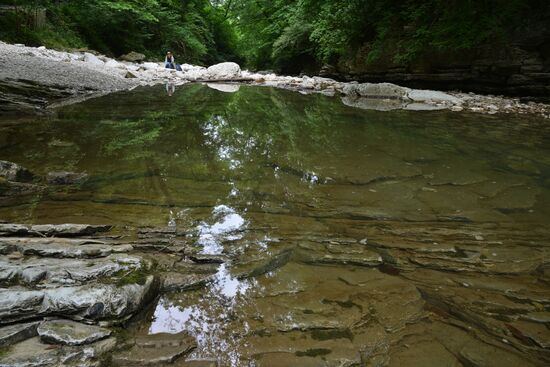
(32, 79)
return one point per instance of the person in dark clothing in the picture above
(169, 61)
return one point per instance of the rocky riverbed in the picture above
(392, 292)
(37, 78)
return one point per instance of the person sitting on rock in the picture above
(169, 61)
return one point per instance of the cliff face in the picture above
(518, 66)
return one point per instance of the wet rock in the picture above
(152, 350)
(88, 302)
(19, 304)
(529, 331)
(14, 172)
(66, 178)
(99, 301)
(12, 334)
(225, 70)
(209, 258)
(263, 267)
(132, 57)
(61, 250)
(60, 230)
(33, 353)
(68, 332)
(57, 272)
(176, 282)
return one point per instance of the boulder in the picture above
(66, 178)
(376, 90)
(92, 59)
(68, 332)
(133, 57)
(225, 70)
(14, 172)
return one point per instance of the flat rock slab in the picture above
(88, 302)
(152, 350)
(12, 334)
(174, 282)
(68, 332)
(33, 353)
(61, 230)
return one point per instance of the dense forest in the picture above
(283, 35)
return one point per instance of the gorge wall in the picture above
(517, 66)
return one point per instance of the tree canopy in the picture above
(286, 35)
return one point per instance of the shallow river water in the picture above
(348, 237)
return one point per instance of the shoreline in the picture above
(34, 79)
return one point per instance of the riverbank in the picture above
(34, 79)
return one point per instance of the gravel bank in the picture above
(37, 78)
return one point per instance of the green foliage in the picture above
(402, 30)
(195, 30)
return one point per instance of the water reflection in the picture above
(205, 317)
(225, 225)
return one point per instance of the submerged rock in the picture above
(14, 172)
(153, 350)
(61, 230)
(66, 178)
(70, 332)
(34, 353)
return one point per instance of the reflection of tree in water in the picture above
(214, 316)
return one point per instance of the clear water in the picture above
(354, 236)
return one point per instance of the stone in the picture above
(150, 66)
(99, 301)
(14, 172)
(133, 57)
(19, 304)
(114, 64)
(176, 282)
(16, 333)
(156, 349)
(32, 352)
(225, 70)
(90, 302)
(69, 332)
(376, 90)
(130, 75)
(66, 178)
(92, 59)
(418, 95)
